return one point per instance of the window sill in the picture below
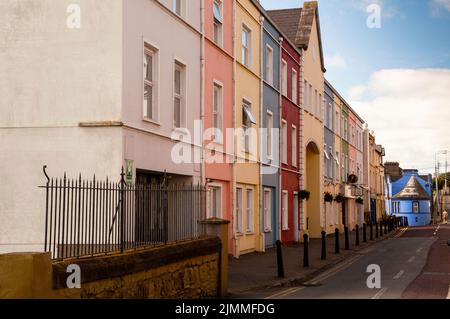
(267, 231)
(249, 233)
(147, 120)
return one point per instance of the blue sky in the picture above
(414, 36)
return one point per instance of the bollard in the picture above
(364, 233)
(371, 231)
(324, 245)
(376, 229)
(306, 251)
(357, 235)
(347, 244)
(386, 225)
(381, 228)
(336, 241)
(279, 260)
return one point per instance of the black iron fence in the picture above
(90, 217)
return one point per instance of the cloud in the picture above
(336, 61)
(437, 6)
(409, 112)
(355, 93)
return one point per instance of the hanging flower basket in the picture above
(328, 197)
(304, 195)
(339, 198)
(352, 179)
(360, 201)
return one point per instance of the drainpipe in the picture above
(280, 111)
(234, 186)
(261, 108)
(202, 89)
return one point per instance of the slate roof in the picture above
(297, 24)
(411, 186)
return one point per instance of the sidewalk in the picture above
(259, 270)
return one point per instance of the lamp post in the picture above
(437, 166)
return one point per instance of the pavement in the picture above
(414, 263)
(258, 271)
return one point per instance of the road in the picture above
(414, 264)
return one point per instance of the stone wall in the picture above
(185, 270)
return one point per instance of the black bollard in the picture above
(357, 235)
(324, 245)
(386, 227)
(279, 260)
(305, 251)
(336, 241)
(381, 228)
(364, 233)
(376, 229)
(371, 231)
(347, 243)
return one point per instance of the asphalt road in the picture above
(402, 260)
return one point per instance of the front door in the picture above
(344, 213)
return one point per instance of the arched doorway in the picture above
(313, 183)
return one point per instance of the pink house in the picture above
(218, 108)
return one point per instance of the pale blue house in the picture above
(409, 196)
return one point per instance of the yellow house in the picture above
(247, 234)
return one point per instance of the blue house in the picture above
(410, 196)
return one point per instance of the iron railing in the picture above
(86, 218)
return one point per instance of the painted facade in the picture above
(410, 196)
(290, 114)
(376, 180)
(219, 106)
(329, 157)
(247, 116)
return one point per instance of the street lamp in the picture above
(437, 167)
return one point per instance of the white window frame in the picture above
(181, 67)
(177, 5)
(284, 80)
(247, 139)
(218, 24)
(269, 65)
(294, 136)
(414, 211)
(247, 48)
(295, 210)
(311, 108)
(217, 112)
(294, 92)
(239, 209)
(284, 145)
(285, 210)
(250, 209)
(305, 98)
(267, 207)
(211, 188)
(269, 140)
(150, 50)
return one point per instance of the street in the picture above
(414, 264)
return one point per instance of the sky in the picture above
(396, 75)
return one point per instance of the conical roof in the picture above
(412, 189)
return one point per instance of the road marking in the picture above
(419, 250)
(379, 293)
(401, 272)
(448, 295)
(401, 232)
(410, 260)
(333, 271)
(285, 293)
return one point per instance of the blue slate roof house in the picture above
(410, 196)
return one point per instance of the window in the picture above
(310, 94)
(415, 206)
(239, 210)
(269, 142)
(336, 124)
(178, 95)
(246, 46)
(284, 141)
(320, 106)
(269, 65)
(331, 214)
(249, 210)
(267, 210)
(177, 7)
(149, 104)
(284, 84)
(215, 202)
(305, 97)
(337, 170)
(315, 103)
(247, 120)
(217, 112)
(396, 207)
(294, 146)
(294, 85)
(295, 210)
(217, 28)
(285, 210)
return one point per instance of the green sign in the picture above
(129, 172)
